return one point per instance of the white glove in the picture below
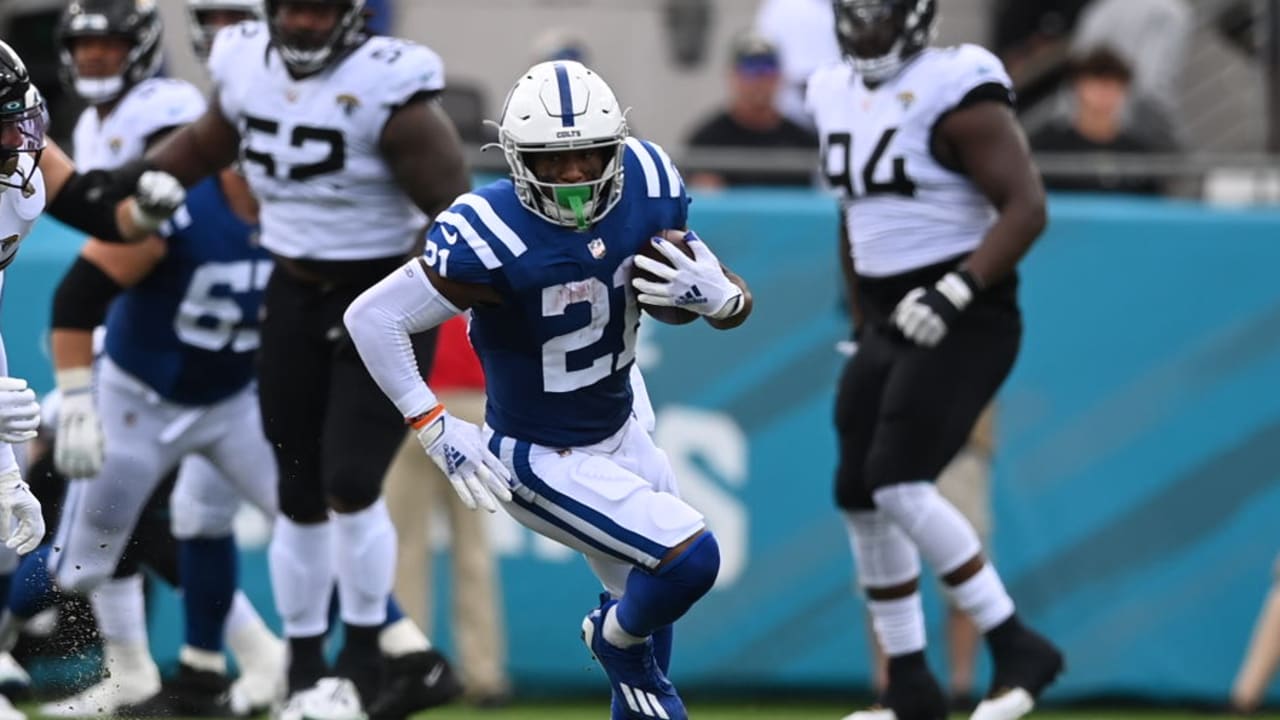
(698, 285)
(17, 503)
(77, 450)
(158, 195)
(19, 411)
(458, 448)
(924, 315)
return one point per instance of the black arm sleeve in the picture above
(82, 298)
(88, 201)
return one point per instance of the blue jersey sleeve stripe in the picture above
(503, 232)
(675, 187)
(477, 244)
(653, 187)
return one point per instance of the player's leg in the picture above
(593, 500)
(929, 406)
(966, 483)
(362, 433)
(411, 500)
(292, 392)
(97, 529)
(1263, 656)
(238, 466)
(885, 560)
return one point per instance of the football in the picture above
(669, 315)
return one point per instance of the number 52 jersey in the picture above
(904, 208)
(311, 147)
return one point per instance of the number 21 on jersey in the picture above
(556, 375)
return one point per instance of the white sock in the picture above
(364, 555)
(131, 659)
(121, 611)
(946, 540)
(899, 624)
(401, 638)
(247, 636)
(983, 598)
(614, 634)
(199, 659)
(301, 565)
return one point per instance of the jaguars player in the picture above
(344, 145)
(543, 262)
(941, 201)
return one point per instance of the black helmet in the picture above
(879, 36)
(22, 121)
(305, 53)
(137, 21)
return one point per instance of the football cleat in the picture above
(113, 692)
(875, 712)
(15, 683)
(329, 699)
(9, 712)
(191, 693)
(415, 682)
(1025, 665)
(640, 691)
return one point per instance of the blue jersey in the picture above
(190, 328)
(558, 350)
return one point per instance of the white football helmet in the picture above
(559, 106)
(202, 31)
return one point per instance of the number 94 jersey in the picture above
(904, 208)
(557, 352)
(311, 147)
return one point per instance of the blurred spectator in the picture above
(1100, 84)
(804, 33)
(752, 120)
(559, 44)
(417, 493)
(1154, 39)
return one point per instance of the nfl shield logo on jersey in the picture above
(597, 248)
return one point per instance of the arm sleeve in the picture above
(380, 322)
(8, 461)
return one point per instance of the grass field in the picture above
(759, 711)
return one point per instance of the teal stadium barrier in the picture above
(1139, 450)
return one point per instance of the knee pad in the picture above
(697, 567)
(191, 518)
(883, 554)
(81, 577)
(944, 538)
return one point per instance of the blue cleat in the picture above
(640, 690)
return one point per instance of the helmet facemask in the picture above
(305, 53)
(879, 36)
(563, 107)
(21, 145)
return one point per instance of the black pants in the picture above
(333, 431)
(903, 411)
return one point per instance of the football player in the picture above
(343, 143)
(110, 57)
(941, 200)
(543, 261)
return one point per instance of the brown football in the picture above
(669, 315)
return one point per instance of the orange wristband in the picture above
(417, 422)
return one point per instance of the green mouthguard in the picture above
(575, 198)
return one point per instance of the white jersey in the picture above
(121, 137)
(311, 147)
(904, 209)
(20, 208)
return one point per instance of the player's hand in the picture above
(695, 284)
(17, 504)
(924, 314)
(157, 196)
(458, 448)
(77, 450)
(19, 411)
